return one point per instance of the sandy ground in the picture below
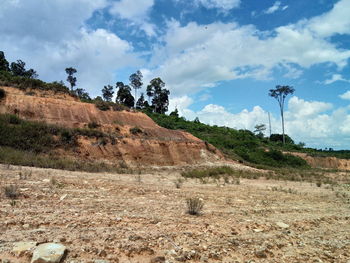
(142, 218)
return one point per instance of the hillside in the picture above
(131, 138)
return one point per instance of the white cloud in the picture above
(335, 77)
(312, 122)
(301, 108)
(336, 21)
(52, 35)
(136, 11)
(345, 96)
(224, 5)
(275, 7)
(197, 56)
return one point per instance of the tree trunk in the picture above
(282, 115)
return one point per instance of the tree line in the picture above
(158, 95)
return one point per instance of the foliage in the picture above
(2, 94)
(39, 137)
(18, 69)
(107, 93)
(23, 83)
(11, 191)
(280, 93)
(160, 100)
(82, 94)
(239, 144)
(124, 95)
(70, 78)
(136, 82)
(4, 64)
(141, 103)
(102, 105)
(135, 130)
(279, 138)
(194, 205)
(208, 172)
(93, 125)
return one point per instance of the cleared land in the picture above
(142, 218)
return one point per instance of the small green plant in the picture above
(194, 205)
(135, 130)
(319, 184)
(11, 191)
(178, 183)
(93, 125)
(25, 175)
(55, 183)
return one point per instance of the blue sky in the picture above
(218, 58)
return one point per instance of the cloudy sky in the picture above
(218, 58)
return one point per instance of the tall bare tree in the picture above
(280, 93)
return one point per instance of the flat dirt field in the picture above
(142, 218)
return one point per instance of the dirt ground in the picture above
(142, 218)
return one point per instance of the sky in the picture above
(218, 58)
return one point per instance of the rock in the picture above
(101, 261)
(5, 261)
(21, 248)
(63, 197)
(48, 253)
(158, 260)
(282, 225)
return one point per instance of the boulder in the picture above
(48, 253)
(22, 248)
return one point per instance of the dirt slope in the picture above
(325, 162)
(153, 146)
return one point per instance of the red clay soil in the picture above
(154, 145)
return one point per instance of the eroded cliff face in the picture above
(154, 145)
(325, 162)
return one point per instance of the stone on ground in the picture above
(48, 253)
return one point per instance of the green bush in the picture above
(135, 130)
(93, 125)
(102, 105)
(2, 94)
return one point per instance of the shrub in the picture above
(135, 130)
(93, 125)
(2, 94)
(194, 205)
(11, 191)
(102, 105)
(178, 183)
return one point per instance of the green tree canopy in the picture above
(107, 93)
(124, 95)
(4, 64)
(71, 79)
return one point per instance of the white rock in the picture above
(48, 253)
(282, 225)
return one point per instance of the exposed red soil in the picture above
(153, 146)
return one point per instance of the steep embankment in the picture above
(149, 145)
(325, 162)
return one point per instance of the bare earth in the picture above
(142, 218)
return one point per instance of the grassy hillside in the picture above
(238, 144)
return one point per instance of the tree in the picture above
(140, 104)
(71, 79)
(136, 82)
(18, 69)
(107, 93)
(280, 93)
(174, 113)
(124, 95)
(4, 64)
(150, 92)
(259, 130)
(82, 94)
(160, 101)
